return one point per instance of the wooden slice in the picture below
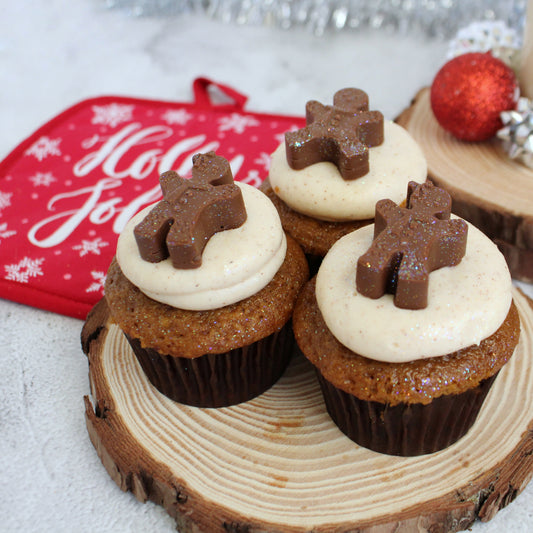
(278, 464)
(488, 188)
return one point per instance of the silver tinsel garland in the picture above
(434, 18)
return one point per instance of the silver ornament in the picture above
(484, 36)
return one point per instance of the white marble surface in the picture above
(54, 53)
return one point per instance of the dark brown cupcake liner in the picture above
(405, 429)
(314, 261)
(219, 380)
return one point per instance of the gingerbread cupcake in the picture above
(326, 178)
(203, 285)
(406, 357)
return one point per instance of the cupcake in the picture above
(408, 323)
(203, 285)
(326, 178)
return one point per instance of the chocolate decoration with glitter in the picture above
(408, 244)
(341, 134)
(191, 212)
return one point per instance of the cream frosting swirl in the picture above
(319, 190)
(466, 303)
(236, 263)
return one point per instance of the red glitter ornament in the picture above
(469, 93)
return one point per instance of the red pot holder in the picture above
(67, 191)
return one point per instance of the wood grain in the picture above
(278, 464)
(488, 188)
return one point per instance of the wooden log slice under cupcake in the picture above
(279, 464)
(488, 188)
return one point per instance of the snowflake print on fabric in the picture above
(176, 116)
(98, 282)
(237, 123)
(112, 115)
(24, 270)
(5, 233)
(42, 178)
(5, 200)
(280, 137)
(263, 160)
(44, 147)
(90, 247)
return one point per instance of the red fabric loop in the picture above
(204, 97)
